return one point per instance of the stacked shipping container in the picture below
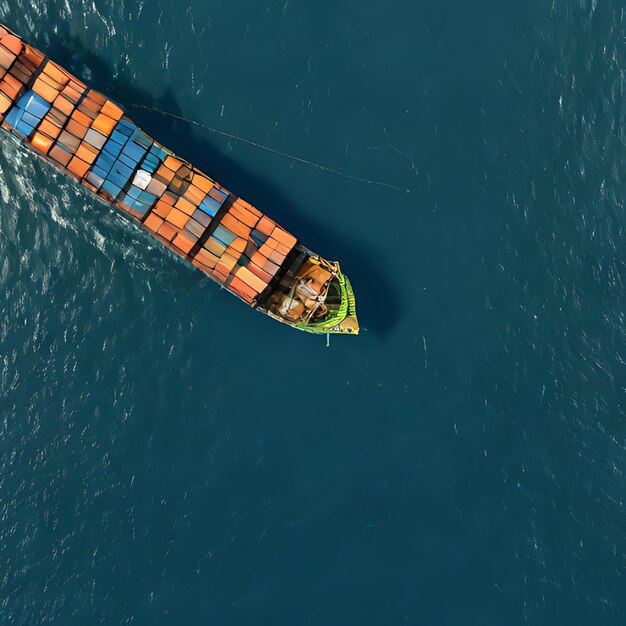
(87, 136)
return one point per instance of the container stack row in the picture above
(18, 64)
(245, 251)
(88, 136)
(187, 204)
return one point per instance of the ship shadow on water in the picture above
(379, 303)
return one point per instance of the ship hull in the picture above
(89, 138)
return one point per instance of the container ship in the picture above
(89, 138)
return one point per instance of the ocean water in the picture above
(168, 456)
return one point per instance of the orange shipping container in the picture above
(185, 206)
(178, 218)
(50, 129)
(167, 231)
(284, 237)
(45, 91)
(194, 194)
(228, 261)
(53, 70)
(72, 93)
(205, 257)
(86, 154)
(250, 208)
(5, 104)
(202, 182)
(265, 226)
(173, 163)
(244, 215)
(64, 105)
(41, 142)
(153, 222)
(250, 279)
(262, 274)
(183, 243)
(97, 97)
(239, 244)
(81, 118)
(112, 110)
(240, 288)
(104, 124)
(78, 167)
(162, 209)
(12, 43)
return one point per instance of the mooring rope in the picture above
(298, 159)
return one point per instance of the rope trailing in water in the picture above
(298, 159)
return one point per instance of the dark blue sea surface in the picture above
(168, 456)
